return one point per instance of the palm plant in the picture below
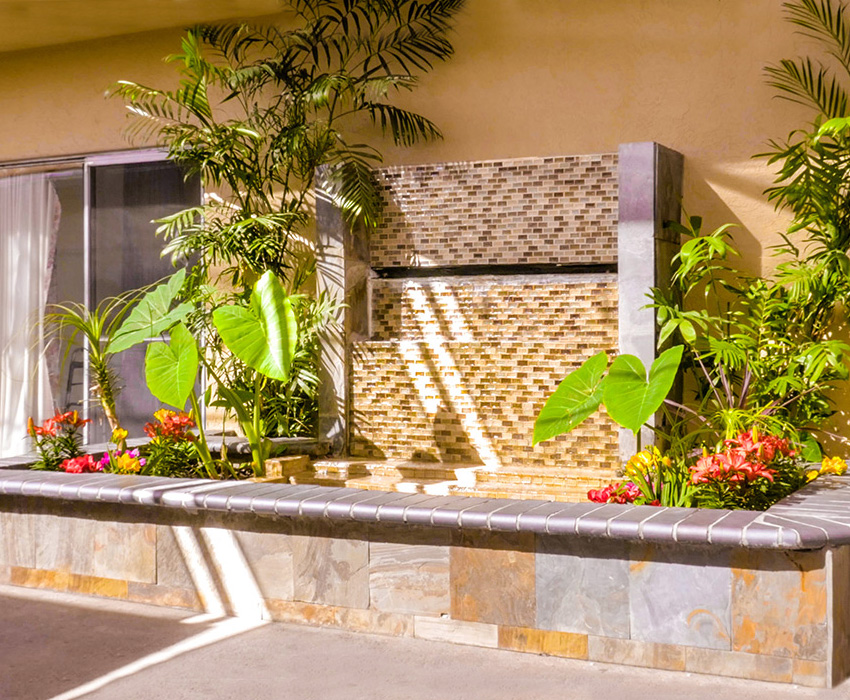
(263, 114)
(97, 328)
(814, 165)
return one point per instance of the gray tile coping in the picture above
(814, 517)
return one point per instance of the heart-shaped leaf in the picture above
(171, 368)
(576, 398)
(153, 314)
(629, 398)
(264, 335)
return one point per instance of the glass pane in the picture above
(67, 284)
(126, 255)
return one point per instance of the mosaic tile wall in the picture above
(457, 368)
(530, 210)
(463, 366)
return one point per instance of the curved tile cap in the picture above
(814, 517)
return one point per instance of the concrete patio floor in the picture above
(67, 646)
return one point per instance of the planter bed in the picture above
(754, 595)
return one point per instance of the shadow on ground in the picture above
(49, 647)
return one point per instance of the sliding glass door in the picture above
(81, 232)
(125, 199)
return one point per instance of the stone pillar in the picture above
(342, 271)
(650, 192)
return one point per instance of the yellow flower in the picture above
(645, 462)
(127, 464)
(162, 414)
(119, 435)
(833, 465)
(812, 475)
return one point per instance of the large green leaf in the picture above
(171, 368)
(152, 315)
(575, 399)
(262, 336)
(629, 398)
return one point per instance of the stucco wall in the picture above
(547, 77)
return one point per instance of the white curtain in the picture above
(29, 221)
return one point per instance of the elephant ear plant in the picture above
(630, 398)
(262, 335)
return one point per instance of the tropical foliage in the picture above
(264, 115)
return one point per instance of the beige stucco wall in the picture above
(530, 77)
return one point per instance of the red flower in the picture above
(80, 465)
(171, 426)
(734, 465)
(615, 493)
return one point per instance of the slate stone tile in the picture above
(493, 579)
(839, 571)
(779, 604)
(408, 577)
(269, 557)
(629, 652)
(582, 586)
(439, 629)
(18, 535)
(171, 568)
(330, 570)
(680, 595)
(124, 551)
(810, 674)
(565, 644)
(729, 663)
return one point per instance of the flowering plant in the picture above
(57, 439)
(752, 471)
(122, 462)
(170, 425)
(172, 450)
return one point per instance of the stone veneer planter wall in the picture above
(754, 595)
